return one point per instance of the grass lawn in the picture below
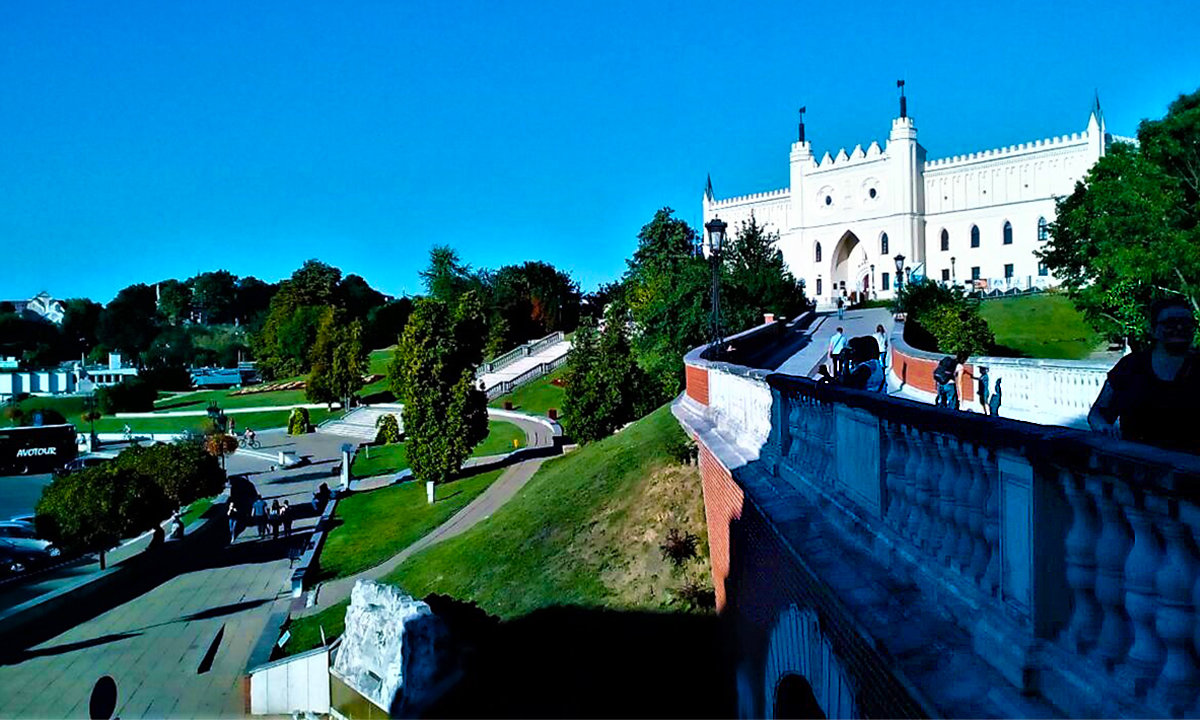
(585, 531)
(377, 364)
(394, 458)
(1040, 326)
(536, 397)
(196, 510)
(256, 420)
(306, 631)
(373, 526)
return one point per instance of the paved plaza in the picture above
(180, 648)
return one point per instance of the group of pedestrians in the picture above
(858, 362)
(947, 378)
(273, 519)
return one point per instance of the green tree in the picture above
(583, 394)
(174, 301)
(78, 328)
(446, 278)
(385, 323)
(129, 322)
(605, 388)
(283, 346)
(758, 279)
(433, 373)
(214, 295)
(1128, 233)
(253, 301)
(339, 360)
(389, 429)
(667, 289)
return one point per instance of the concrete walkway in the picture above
(525, 364)
(857, 322)
(178, 649)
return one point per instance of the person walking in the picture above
(841, 306)
(274, 519)
(285, 518)
(1151, 395)
(231, 512)
(994, 402)
(259, 513)
(881, 339)
(866, 372)
(837, 345)
(983, 391)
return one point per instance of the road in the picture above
(20, 493)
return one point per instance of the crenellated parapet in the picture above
(1012, 151)
(843, 159)
(751, 198)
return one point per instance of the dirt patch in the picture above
(623, 541)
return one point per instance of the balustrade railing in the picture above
(530, 348)
(1083, 547)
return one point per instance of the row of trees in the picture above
(1130, 231)
(660, 310)
(94, 509)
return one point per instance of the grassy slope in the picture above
(393, 458)
(584, 531)
(536, 397)
(1040, 326)
(374, 526)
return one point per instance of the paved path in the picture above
(481, 508)
(155, 646)
(856, 322)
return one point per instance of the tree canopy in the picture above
(1128, 233)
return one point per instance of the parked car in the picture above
(20, 545)
(81, 463)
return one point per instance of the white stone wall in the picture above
(861, 194)
(742, 408)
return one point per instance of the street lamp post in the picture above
(899, 272)
(716, 241)
(953, 274)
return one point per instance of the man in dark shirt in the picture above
(1153, 394)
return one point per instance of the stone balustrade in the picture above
(1070, 558)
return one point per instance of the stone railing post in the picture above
(1112, 547)
(1147, 653)
(1175, 618)
(1080, 635)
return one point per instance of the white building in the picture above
(980, 216)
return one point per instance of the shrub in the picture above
(389, 429)
(131, 395)
(959, 329)
(298, 421)
(44, 416)
(698, 595)
(679, 546)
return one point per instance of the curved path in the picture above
(499, 492)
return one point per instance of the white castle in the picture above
(978, 217)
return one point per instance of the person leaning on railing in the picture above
(1151, 395)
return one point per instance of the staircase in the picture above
(360, 424)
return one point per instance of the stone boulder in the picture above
(395, 652)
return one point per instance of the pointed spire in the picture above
(708, 191)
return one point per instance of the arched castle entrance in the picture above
(850, 269)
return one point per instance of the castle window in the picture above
(945, 240)
(828, 199)
(1043, 230)
(1007, 233)
(1043, 271)
(872, 193)
(1008, 271)
(975, 273)
(945, 276)
(974, 236)
(818, 259)
(886, 283)
(883, 244)
(818, 286)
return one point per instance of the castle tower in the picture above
(908, 162)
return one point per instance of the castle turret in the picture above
(908, 166)
(1096, 130)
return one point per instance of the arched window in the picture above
(1043, 231)
(945, 240)
(883, 245)
(1007, 233)
(818, 253)
(974, 236)
(818, 287)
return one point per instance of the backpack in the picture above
(945, 370)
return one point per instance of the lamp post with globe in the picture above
(716, 242)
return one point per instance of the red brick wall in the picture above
(722, 505)
(697, 383)
(917, 372)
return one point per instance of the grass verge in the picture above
(536, 397)
(196, 510)
(372, 527)
(386, 459)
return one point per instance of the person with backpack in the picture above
(866, 372)
(982, 390)
(945, 377)
(837, 345)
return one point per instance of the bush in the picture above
(959, 330)
(131, 395)
(44, 416)
(389, 429)
(697, 595)
(298, 421)
(679, 546)
(918, 297)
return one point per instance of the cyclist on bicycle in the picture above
(250, 437)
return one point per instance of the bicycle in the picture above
(244, 443)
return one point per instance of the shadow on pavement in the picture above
(73, 646)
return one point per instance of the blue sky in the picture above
(142, 141)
